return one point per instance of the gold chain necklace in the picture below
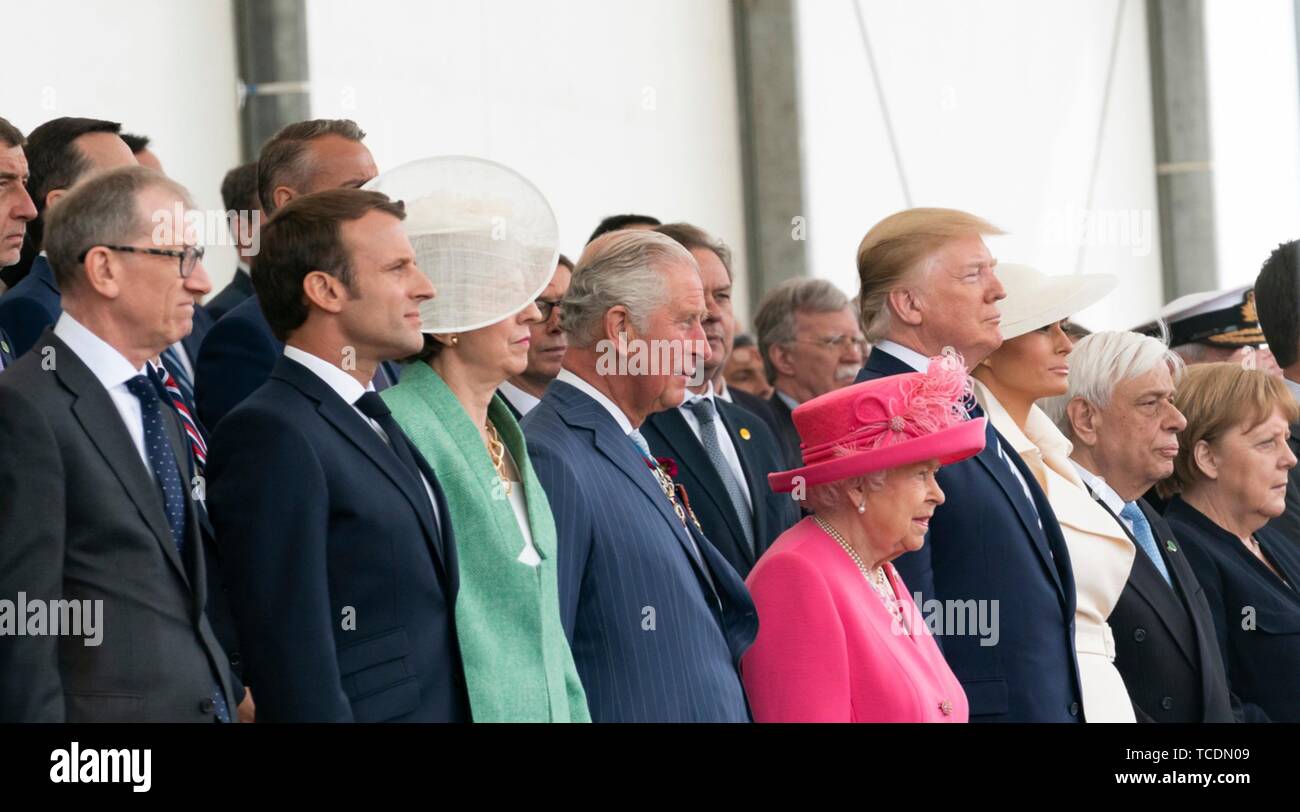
(497, 450)
(879, 583)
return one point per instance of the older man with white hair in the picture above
(1120, 416)
(928, 284)
(656, 617)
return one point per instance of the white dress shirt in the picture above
(351, 390)
(521, 400)
(113, 371)
(724, 439)
(722, 391)
(1105, 492)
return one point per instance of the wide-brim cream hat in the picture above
(482, 233)
(1036, 300)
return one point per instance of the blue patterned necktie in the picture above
(706, 412)
(176, 367)
(168, 475)
(1145, 539)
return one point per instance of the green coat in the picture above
(518, 666)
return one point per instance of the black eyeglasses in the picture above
(189, 258)
(546, 307)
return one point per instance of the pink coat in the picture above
(827, 650)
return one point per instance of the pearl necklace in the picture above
(878, 581)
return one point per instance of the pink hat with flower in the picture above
(882, 424)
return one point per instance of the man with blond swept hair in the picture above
(928, 283)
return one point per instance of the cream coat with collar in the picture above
(1100, 553)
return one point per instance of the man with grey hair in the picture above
(97, 489)
(240, 350)
(656, 617)
(811, 344)
(1120, 417)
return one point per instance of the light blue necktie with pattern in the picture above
(1145, 540)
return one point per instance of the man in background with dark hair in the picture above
(244, 216)
(139, 146)
(1277, 302)
(546, 346)
(239, 352)
(60, 154)
(624, 222)
(337, 541)
(16, 211)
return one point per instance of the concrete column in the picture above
(272, 44)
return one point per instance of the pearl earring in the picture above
(862, 508)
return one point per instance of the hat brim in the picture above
(947, 446)
(1059, 298)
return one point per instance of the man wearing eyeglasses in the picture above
(546, 348)
(811, 344)
(60, 154)
(97, 507)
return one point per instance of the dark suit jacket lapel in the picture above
(99, 417)
(881, 364)
(579, 410)
(997, 468)
(690, 453)
(442, 538)
(358, 432)
(755, 481)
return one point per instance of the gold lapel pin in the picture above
(744, 434)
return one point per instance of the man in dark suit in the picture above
(244, 216)
(722, 453)
(811, 344)
(308, 156)
(656, 617)
(6, 351)
(16, 206)
(1125, 430)
(745, 381)
(545, 348)
(928, 283)
(61, 153)
(1277, 299)
(337, 544)
(95, 480)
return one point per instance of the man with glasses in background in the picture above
(546, 348)
(811, 344)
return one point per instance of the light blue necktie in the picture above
(706, 412)
(1145, 540)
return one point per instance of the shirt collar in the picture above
(911, 357)
(241, 265)
(572, 379)
(722, 391)
(790, 402)
(109, 366)
(518, 398)
(1294, 387)
(1098, 486)
(346, 386)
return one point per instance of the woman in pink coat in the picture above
(839, 638)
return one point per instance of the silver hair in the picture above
(1101, 361)
(775, 323)
(103, 210)
(619, 268)
(833, 494)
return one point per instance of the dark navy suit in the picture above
(1165, 645)
(657, 635)
(986, 545)
(239, 289)
(30, 306)
(237, 356)
(341, 583)
(1256, 616)
(786, 434)
(6, 350)
(669, 435)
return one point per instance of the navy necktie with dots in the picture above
(168, 475)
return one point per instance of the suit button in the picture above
(1167, 703)
(1139, 634)
(234, 658)
(1074, 708)
(207, 705)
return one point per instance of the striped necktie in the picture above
(172, 360)
(177, 398)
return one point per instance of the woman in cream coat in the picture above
(1031, 365)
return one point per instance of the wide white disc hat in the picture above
(483, 234)
(1035, 299)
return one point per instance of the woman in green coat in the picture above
(518, 666)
